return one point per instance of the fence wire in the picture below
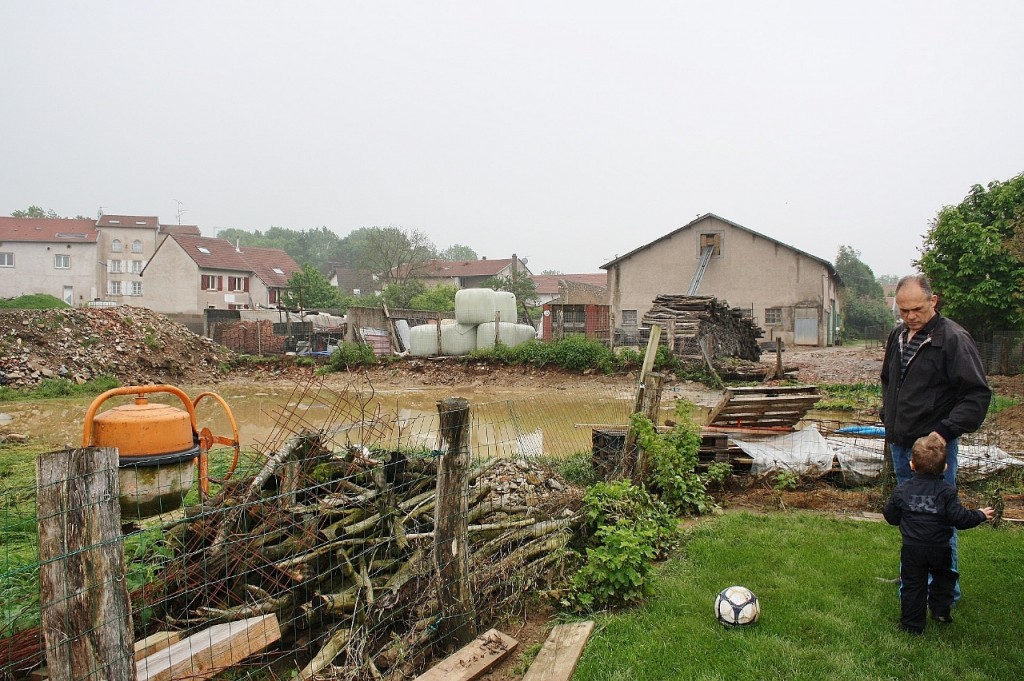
(329, 526)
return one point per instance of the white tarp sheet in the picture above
(806, 452)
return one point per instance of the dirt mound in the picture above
(134, 344)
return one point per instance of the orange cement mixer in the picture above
(158, 445)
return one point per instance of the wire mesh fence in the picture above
(320, 558)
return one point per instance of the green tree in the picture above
(399, 295)
(36, 212)
(396, 255)
(308, 289)
(974, 257)
(524, 289)
(315, 247)
(458, 252)
(863, 302)
(441, 298)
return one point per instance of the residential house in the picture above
(189, 274)
(52, 256)
(791, 294)
(354, 282)
(126, 242)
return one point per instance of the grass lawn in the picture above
(825, 611)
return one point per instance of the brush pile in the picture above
(689, 321)
(339, 545)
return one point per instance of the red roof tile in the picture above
(48, 230)
(549, 283)
(436, 269)
(220, 254)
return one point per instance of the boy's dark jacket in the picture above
(927, 508)
(944, 389)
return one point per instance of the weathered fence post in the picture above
(627, 463)
(86, 615)
(451, 524)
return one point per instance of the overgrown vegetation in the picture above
(35, 301)
(672, 461)
(50, 388)
(350, 356)
(627, 529)
(849, 397)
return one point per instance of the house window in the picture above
(62, 262)
(713, 239)
(238, 283)
(773, 315)
(136, 246)
(574, 318)
(114, 288)
(116, 246)
(136, 288)
(6, 260)
(274, 296)
(237, 306)
(629, 317)
(114, 266)
(137, 266)
(211, 282)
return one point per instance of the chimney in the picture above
(238, 246)
(515, 263)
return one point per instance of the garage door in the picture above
(806, 331)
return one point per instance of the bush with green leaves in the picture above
(350, 356)
(672, 461)
(627, 529)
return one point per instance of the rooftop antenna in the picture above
(181, 211)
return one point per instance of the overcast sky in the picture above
(566, 132)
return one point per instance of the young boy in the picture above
(927, 508)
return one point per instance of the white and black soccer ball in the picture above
(737, 606)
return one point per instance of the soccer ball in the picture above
(737, 606)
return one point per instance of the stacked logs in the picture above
(338, 545)
(687, 321)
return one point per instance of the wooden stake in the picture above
(86, 615)
(451, 524)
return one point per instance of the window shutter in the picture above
(203, 282)
(220, 283)
(245, 284)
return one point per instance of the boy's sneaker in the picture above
(911, 630)
(944, 619)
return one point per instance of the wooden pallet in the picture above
(772, 408)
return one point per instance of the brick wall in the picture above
(251, 338)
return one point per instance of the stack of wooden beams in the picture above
(687, 320)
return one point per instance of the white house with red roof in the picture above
(188, 274)
(52, 256)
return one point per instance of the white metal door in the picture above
(806, 331)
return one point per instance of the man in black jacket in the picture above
(927, 508)
(933, 382)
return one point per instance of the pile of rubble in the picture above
(133, 344)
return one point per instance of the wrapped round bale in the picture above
(474, 306)
(505, 305)
(487, 332)
(423, 340)
(525, 332)
(458, 339)
(402, 328)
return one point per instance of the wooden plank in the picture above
(86, 615)
(211, 651)
(562, 650)
(155, 643)
(473, 659)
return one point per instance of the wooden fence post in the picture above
(86, 615)
(451, 524)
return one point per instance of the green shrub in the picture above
(35, 301)
(672, 461)
(718, 473)
(351, 356)
(627, 530)
(578, 469)
(786, 481)
(577, 353)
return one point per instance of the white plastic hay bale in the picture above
(423, 340)
(525, 332)
(474, 306)
(402, 328)
(458, 339)
(446, 321)
(486, 332)
(505, 305)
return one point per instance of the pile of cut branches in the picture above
(339, 545)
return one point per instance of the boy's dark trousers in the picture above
(915, 593)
